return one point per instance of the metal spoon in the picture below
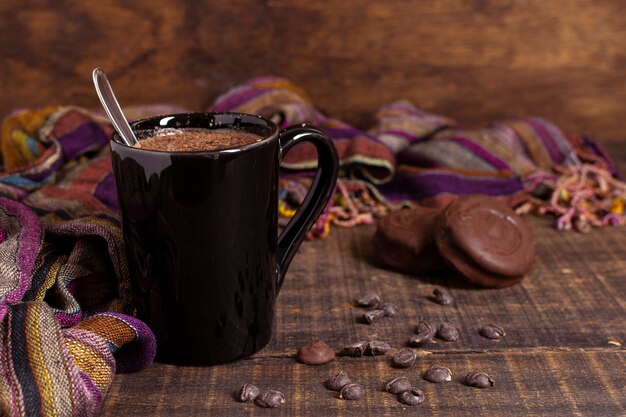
(112, 108)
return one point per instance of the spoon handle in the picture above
(112, 107)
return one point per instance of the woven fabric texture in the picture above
(66, 323)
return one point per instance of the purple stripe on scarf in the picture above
(91, 387)
(481, 152)
(88, 136)
(401, 133)
(29, 243)
(551, 146)
(68, 319)
(426, 185)
(105, 191)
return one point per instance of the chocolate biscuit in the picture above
(485, 240)
(404, 241)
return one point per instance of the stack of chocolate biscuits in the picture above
(482, 239)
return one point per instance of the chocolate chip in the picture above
(270, 399)
(424, 326)
(398, 385)
(373, 315)
(352, 392)
(368, 300)
(390, 309)
(355, 350)
(447, 332)
(337, 382)
(404, 359)
(424, 335)
(315, 354)
(247, 392)
(442, 296)
(478, 380)
(492, 331)
(412, 396)
(377, 348)
(438, 374)
(420, 340)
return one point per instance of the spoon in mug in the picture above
(112, 108)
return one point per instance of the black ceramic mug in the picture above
(200, 230)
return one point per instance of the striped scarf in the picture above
(63, 278)
(412, 155)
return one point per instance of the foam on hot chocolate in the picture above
(197, 139)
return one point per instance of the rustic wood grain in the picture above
(563, 355)
(475, 60)
(537, 384)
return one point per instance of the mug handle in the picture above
(316, 199)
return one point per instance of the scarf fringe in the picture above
(353, 202)
(583, 196)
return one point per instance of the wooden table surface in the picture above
(564, 352)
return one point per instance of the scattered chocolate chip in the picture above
(368, 300)
(389, 309)
(337, 382)
(412, 396)
(247, 392)
(424, 326)
(352, 391)
(478, 380)
(442, 296)
(492, 331)
(373, 315)
(355, 350)
(398, 385)
(404, 359)
(316, 353)
(438, 374)
(447, 332)
(377, 348)
(270, 399)
(424, 335)
(420, 340)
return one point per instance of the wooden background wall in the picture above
(475, 60)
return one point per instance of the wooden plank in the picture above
(474, 60)
(537, 384)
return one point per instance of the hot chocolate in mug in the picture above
(200, 230)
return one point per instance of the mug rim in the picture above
(116, 139)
